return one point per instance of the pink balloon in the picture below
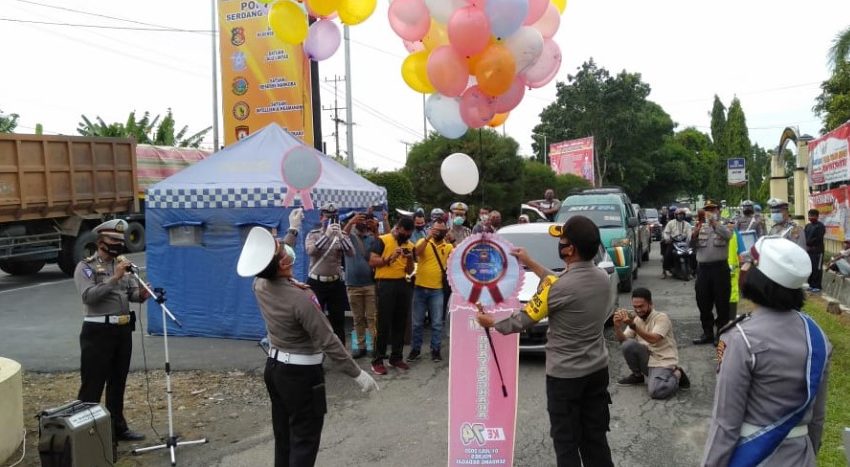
(322, 40)
(409, 19)
(536, 9)
(469, 30)
(476, 108)
(448, 71)
(414, 46)
(546, 67)
(550, 21)
(511, 98)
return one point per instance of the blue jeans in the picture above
(432, 300)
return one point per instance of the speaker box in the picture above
(77, 434)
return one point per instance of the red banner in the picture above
(828, 157)
(834, 208)
(573, 157)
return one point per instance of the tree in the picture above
(144, 130)
(8, 122)
(840, 51)
(627, 128)
(537, 177)
(500, 171)
(833, 104)
(398, 185)
(718, 124)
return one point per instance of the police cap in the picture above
(112, 229)
(777, 203)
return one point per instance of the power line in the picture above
(99, 15)
(98, 26)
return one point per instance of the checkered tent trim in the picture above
(265, 197)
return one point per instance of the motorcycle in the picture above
(683, 258)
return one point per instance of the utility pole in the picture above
(406, 148)
(336, 108)
(214, 76)
(349, 130)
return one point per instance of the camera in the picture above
(406, 251)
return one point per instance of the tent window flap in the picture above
(186, 233)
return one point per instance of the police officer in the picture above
(299, 333)
(783, 225)
(770, 397)
(106, 340)
(326, 246)
(711, 241)
(458, 231)
(748, 221)
(576, 354)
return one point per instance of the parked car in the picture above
(644, 236)
(611, 211)
(535, 238)
(655, 227)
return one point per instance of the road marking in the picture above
(34, 285)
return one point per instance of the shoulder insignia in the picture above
(87, 271)
(721, 348)
(90, 259)
(315, 300)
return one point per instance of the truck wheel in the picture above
(21, 268)
(134, 237)
(75, 249)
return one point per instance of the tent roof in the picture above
(248, 174)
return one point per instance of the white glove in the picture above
(334, 230)
(295, 218)
(367, 382)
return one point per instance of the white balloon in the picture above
(459, 173)
(444, 115)
(525, 45)
(441, 10)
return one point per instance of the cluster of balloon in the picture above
(288, 19)
(476, 57)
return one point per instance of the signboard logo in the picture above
(241, 110)
(242, 132)
(240, 86)
(737, 171)
(238, 61)
(237, 36)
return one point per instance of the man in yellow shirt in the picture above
(432, 253)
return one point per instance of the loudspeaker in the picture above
(77, 434)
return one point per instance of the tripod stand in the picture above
(171, 442)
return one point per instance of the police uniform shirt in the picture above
(296, 323)
(791, 231)
(764, 393)
(576, 345)
(745, 223)
(330, 264)
(662, 354)
(459, 233)
(102, 296)
(712, 243)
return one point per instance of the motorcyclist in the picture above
(676, 227)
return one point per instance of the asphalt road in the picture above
(406, 422)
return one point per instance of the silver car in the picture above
(535, 238)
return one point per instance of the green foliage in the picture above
(144, 130)
(398, 185)
(840, 51)
(718, 124)
(537, 177)
(833, 104)
(8, 122)
(500, 171)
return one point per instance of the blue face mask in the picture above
(457, 221)
(777, 217)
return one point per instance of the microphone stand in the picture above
(171, 442)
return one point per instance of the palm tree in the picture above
(840, 50)
(144, 130)
(8, 122)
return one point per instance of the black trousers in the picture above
(394, 301)
(816, 278)
(105, 351)
(579, 418)
(713, 288)
(667, 256)
(333, 297)
(297, 393)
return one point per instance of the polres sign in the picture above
(736, 171)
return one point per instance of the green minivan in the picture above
(611, 210)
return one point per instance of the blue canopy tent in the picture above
(197, 220)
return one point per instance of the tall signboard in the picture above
(828, 157)
(263, 80)
(736, 171)
(573, 157)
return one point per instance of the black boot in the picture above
(704, 339)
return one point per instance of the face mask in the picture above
(439, 235)
(680, 217)
(484, 218)
(402, 237)
(776, 217)
(113, 249)
(420, 227)
(457, 221)
(813, 219)
(561, 247)
(748, 212)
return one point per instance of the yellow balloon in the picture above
(498, 119)
(288, 21)
(436, 36)
(323, 7)
(353, 12)
(561, 5)
(414, 70)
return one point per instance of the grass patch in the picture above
(837, 328)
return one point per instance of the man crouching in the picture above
(649, 347)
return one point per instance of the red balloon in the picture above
(469, 30)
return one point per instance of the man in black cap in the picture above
(106, 340)
(714, 282)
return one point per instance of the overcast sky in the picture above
(771, 54)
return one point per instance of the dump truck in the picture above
(54, 190)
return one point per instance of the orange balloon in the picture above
(495, 70)
(498, 119)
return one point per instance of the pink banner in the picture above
(829, 156)
(573, 157)
(834, 208)
(482, 421)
